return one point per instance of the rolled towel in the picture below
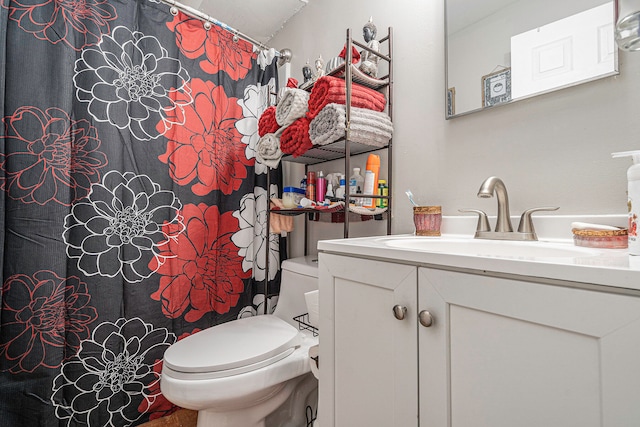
(292, 106)
(367, 127)
(295, 138)
(268, 149)
(327, 90)
(329, 125)
(267, 122)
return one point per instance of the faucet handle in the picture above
(526, 223)
(483, 220)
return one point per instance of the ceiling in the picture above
(258, 19)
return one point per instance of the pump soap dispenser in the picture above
(633, 204)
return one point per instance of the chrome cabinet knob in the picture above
(399, 311)
(426, 319)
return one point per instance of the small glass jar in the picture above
(427, 220)
(601, 239)
(291, 197)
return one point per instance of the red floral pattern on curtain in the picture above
(45, 315)
(77, 23)
(59, 157)
(217, 45)
(207, 149)
(203, 272)
(133, 205)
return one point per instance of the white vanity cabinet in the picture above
(505, 352)
(500, 351)
(368, 362)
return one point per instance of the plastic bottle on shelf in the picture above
(342, 188)
(356, 184)
(311, 186)
(371, 179)
(321, 187)
(383, 190)
(329, 192)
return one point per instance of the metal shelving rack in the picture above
(344, 148)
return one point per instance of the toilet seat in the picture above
(232, 348)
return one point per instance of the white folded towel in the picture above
(292, 106)
(367, 126)
(268, 149)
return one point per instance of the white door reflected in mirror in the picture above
(574, 49)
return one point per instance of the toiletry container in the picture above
(329, 192)
(383, 190)
(311, 186)
(633, 203)
(321, 187)
(371, 179)
(356, 184)
(341, 188)
(627, 28)
(291, 197)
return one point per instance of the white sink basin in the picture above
(489, 248)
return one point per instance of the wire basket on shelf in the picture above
(304, 325)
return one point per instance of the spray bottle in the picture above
(321, 187)
(633, 178)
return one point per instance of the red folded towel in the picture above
(329, 90)
(267, 122)
(295, 138)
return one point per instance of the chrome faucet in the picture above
(488, 187)
(503, 229)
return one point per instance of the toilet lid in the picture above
(233, 347)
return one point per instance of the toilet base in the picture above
(248, 416)
(301, 409)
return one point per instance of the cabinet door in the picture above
(368, 363)
(505, 353)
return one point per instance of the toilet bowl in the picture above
(241, 372)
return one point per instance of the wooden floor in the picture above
(181, 418)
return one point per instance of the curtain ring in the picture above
(207, 25)
(235, 38)
(174, 11)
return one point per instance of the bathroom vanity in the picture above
(455, 331)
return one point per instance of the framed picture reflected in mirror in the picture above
(496, 87)
(451, 101)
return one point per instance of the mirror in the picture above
(500, 51)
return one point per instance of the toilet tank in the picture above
(299, 275)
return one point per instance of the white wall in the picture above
(550, 150)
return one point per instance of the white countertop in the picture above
(605, 267)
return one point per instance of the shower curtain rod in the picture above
(207, 18)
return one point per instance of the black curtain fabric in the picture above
(133, 208)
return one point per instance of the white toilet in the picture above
(241, 373)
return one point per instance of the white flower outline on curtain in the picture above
(251, 238)
(111, 375)
(129, 80)
(258, 306)
(255, 101)
(119, 229)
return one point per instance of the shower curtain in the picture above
(133, 209)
